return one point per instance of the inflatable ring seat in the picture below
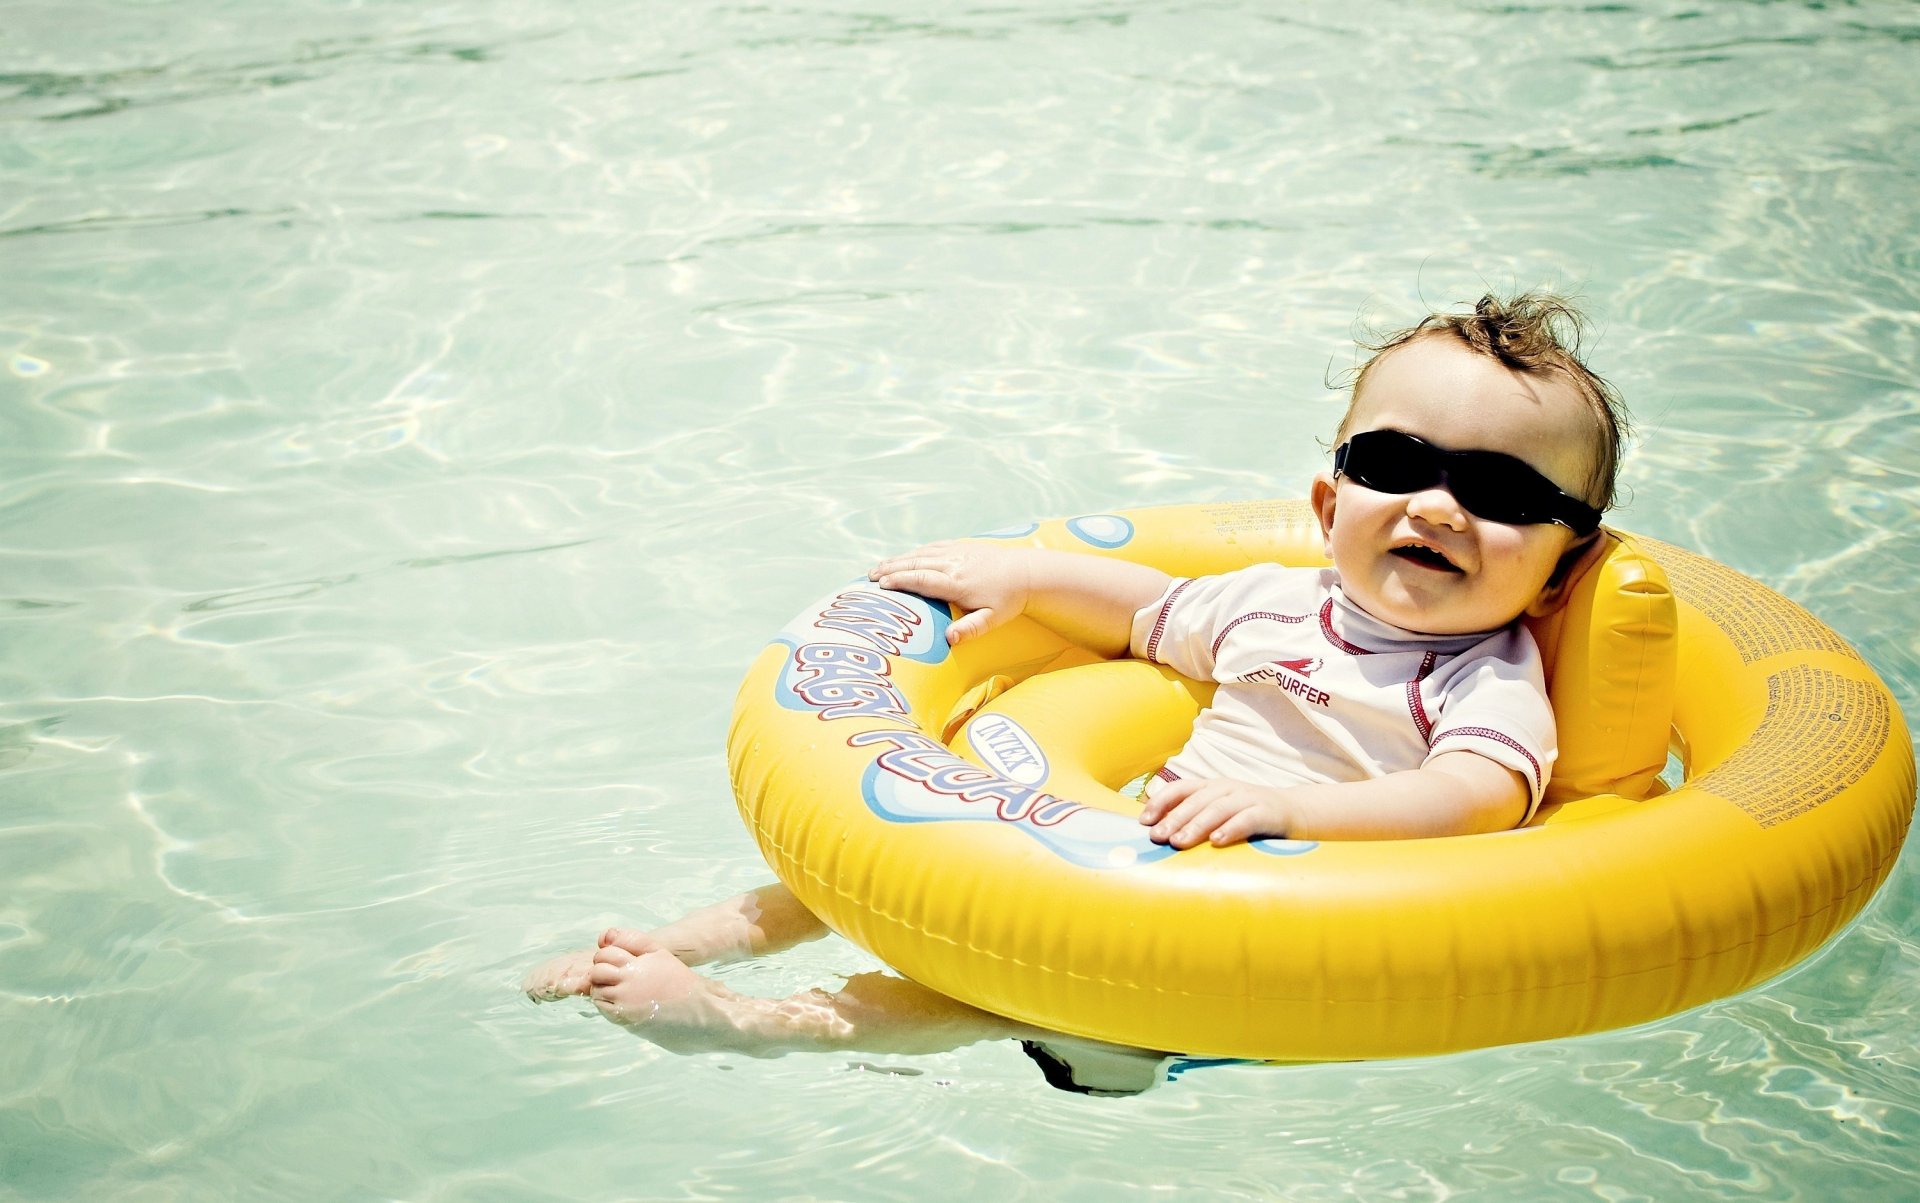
(955, 812)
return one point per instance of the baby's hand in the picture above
(988, 580)
(1213, 809)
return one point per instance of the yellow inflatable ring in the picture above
(955, 812)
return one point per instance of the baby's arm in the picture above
(1089, 599)
(1454, 793)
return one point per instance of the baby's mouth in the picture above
(1426, 557)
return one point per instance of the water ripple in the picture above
(414, 425)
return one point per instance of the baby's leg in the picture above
(759, 921)
(748, 925)
(670, 1004)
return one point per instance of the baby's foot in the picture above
(562, 977)
(566, 975)
(662, 999)
(635, 941)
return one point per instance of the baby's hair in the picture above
(1535, 333)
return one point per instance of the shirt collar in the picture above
(1362, 629)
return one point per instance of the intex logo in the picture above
(924, 761)
(1007, 749)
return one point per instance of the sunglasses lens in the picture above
(1387, 461)
(1499, 489)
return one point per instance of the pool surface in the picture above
(414, 417)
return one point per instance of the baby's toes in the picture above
(611, 957)
(634, 940)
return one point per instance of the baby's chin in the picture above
(1420, 605)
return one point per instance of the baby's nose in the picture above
(1436, 504)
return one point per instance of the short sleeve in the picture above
(1495, 703)
(1185, 627)
(1177, 630)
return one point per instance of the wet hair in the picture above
(1535, 334)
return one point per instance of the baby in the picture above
(1393, 695)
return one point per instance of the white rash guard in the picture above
(1314, 689)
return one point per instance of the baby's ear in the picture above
(1322, 497)
(1581, 554)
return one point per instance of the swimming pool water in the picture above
(415, 416)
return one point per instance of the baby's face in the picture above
(1420, 560)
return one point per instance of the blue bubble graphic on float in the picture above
(1101, 530)
(1282, 847)
(1010, 532)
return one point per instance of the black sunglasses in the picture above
(1487, 484)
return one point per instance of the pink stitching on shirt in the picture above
(1417, 707)
(1497, 737)
(1221, 638)
(1160, 623)
(1326, 629)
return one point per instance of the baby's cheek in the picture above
(1520, 560)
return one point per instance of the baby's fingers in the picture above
(1240, 827)
(925, 579)
(1166, 798)
(979, 622)
(1194, 819)
(928, 555)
